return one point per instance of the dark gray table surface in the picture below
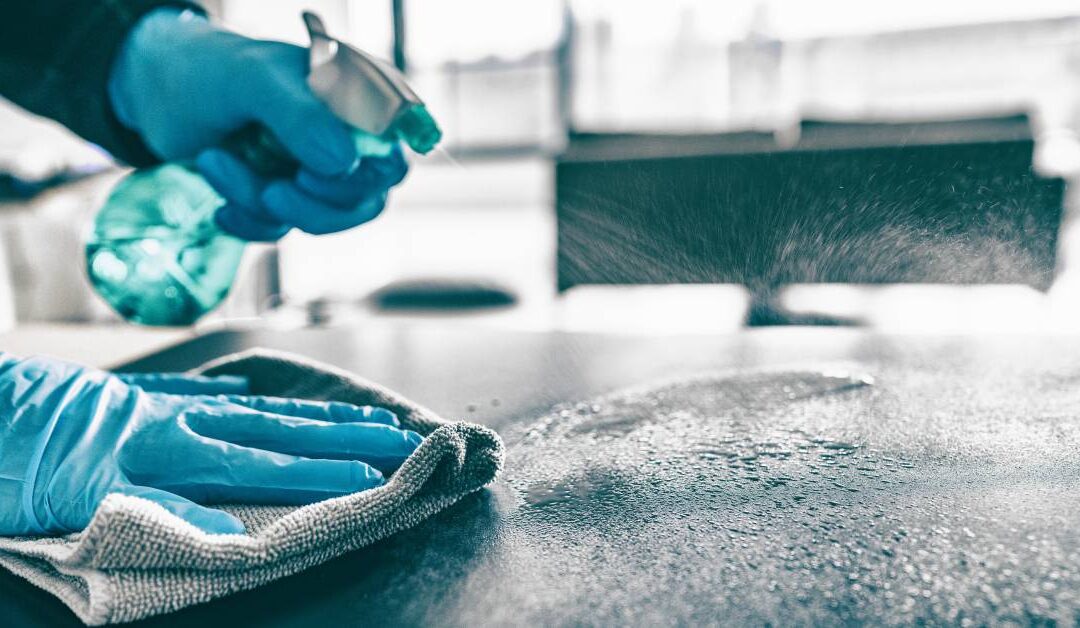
(947, 492)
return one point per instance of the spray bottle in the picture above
(156, 253)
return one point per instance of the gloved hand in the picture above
(183, 85)
(180, 384)
(71, 435)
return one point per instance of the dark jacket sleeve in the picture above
(55, 58)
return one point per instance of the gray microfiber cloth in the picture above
(135, 559)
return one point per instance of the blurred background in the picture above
(686, 165)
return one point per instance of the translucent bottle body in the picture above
(155, 254)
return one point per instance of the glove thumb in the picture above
(209, 520)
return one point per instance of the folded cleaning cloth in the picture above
(135, 559)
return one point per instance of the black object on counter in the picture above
(438, 293)
(933, 202)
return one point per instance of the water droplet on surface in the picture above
(742, 486)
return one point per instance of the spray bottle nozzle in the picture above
(366, 92)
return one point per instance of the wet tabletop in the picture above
(789, 476)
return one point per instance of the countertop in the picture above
(814, 476)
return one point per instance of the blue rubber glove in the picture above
(180, 384)
(71, 435)
(183, 85)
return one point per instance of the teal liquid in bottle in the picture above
(156, 254)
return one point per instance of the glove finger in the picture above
(209, 520)
(305, 126)
(388, 170)
(287, 203)
(330, 411)
(181, 384)
(243, 216)
(216, 471)
(230, 177)
(374, 175)
(382, 446)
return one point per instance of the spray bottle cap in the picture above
(366, 92)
